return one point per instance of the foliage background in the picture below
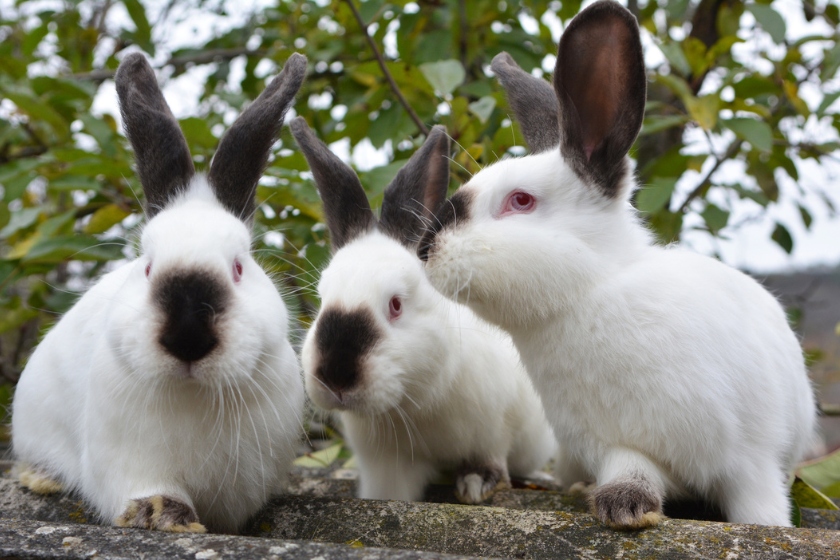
(729, 88)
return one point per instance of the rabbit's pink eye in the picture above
(518, 202)
(237, 270)
(395, 307)
(148, 269)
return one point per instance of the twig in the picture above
(707, 180)
(465, 29)
(394, 87)
(829, 409)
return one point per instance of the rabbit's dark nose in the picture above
(344, 338)
(190, 301)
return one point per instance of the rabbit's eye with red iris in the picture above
(237, 271)
(395, 307)
(148, 269)
(518, 202)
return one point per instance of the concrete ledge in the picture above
(491, 531)
(37, 539)
(523, 524)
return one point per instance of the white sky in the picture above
(747, 247)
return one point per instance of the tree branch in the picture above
(707, 180)
(394, 87)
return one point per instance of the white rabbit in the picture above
(422, 384)
(662, 372)
(169, 396)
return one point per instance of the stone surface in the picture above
(491, 531)
(37, 539)
(518, 523)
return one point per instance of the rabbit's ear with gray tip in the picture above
(601, 86)
(418, 190)
(164, 164)
(243, 151)
(346, 207)
(533, 102)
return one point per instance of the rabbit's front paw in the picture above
(38, 481)
(627, 503)
(161, 513)
(475, 483)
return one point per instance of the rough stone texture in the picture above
(490, 531)
(523, 523)
(36, 539)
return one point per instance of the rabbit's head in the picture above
(379, 320)
(524, 236)
(196, 305)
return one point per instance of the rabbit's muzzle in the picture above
(191, 302)
(343, 339)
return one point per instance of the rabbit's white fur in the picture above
(106, 411)
(647, 359)
(441, 387)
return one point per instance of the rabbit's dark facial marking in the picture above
(601, 88)
(190, 301)
(417, 191)
(163, 158)
(455, 211)
(243, 151)
(533, 102)
(630, 502)
(343, 339)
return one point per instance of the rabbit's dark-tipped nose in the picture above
(343, 339)
(191, 302)
(453, 212)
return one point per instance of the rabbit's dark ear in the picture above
(346, 206)
(533, 102)
(601, 86)
(243, 151)
(418, 190)
(163, 158)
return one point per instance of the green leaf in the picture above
(105, 218)
(770, 21)
(795, 513)
(138, 15)
(704, 109)
(676, 57)
(782, 236)
(101, 132)
(74, 183)
(756, 132)
(653, 197)
(831, 62)
(657, 123)
(77, 247)
(827, 101)
(322, 458)
(832, 490)
(716, 218)
(197, 132)
(821, 472)
(444, 76)
(20, 219)
(483, 108)
(807, 496)
(806, 216)
(12, 318)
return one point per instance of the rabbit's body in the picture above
(169, 395)
(662, 372)
(447, 391)
(421, 383)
